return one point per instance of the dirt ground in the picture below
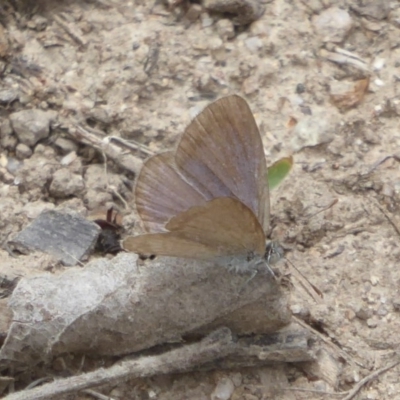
(141, 70)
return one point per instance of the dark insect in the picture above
(109, 238)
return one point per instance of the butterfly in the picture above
(208, 199)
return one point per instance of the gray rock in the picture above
(7, 139)
(372, 8)
(34, 208)
(225, 29)
(223, 390)
(8, 95)
(333, 24)
(65, 184)
(65, 145)
(65, 236)
(31, 126)
(23, 151)
(312, 131)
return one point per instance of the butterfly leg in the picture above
(254, 268)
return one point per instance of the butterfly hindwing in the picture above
(221, 227)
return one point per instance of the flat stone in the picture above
(67, 237)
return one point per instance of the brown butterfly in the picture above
(208, 199)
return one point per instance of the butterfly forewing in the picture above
(222, 227)
(161, 192)
(221, 155)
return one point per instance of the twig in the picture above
(341, 56)
(304, 278)
(97, 395)
(219, 343)
(328, 341)
(321, 392)
(330, 205)
(37, 382)
(72, 32)
(391, 222)
(131, 144)
(380, 162)
(350, 393)
(152, 57)
(111, 188)
(369, 378)
(115, 153)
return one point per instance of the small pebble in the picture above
(237, 379)
(217, 49)
(194, 12)
(254, 44)
(23, 151)
(374, 280)
(69, 158)
(333, 24)
(382, 311)
(223, 390)
(13, 165)
(311, 131)
(378, 64)
(65, 184)
(206, 21)
(33, 209)
(362, 312)
(225, 29)
(5, 176)
(31, 126)
(65, 145)
(372, 322)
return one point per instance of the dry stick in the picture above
(367, 379)
(394, 225)
(344, 57)
(329, 342)
(304, 286)
(380, 162)
(113, 152)
(330, 205)
(131, 144)
(72, 32)
(350, 393)
(97, 395)
(217, 344)
(110, 187)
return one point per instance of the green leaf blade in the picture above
(278, 171)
